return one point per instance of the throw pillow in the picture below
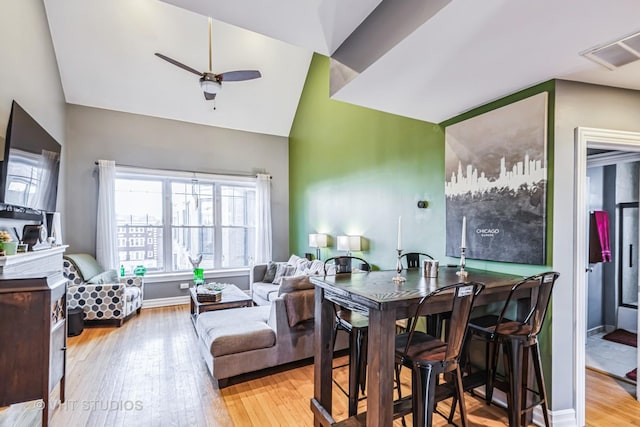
(109, 276)
(283, 270)
(85, 264)
(292, 284)
(316, 267)
(293, 259)
(301, 266)
(270, 274)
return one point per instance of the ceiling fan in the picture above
(210, 82)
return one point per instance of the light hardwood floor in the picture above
(149, 373)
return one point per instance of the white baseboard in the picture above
(561, 418)
(165, 302)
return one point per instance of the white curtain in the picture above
(263, 219)
(106, 232)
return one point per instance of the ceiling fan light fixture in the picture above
(210, 86)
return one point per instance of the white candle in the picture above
(463, 243)
(399, 233)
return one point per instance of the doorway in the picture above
(589, 138)
(612, 284)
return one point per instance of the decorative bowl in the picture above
(213, 286)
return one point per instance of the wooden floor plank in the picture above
(153, 360)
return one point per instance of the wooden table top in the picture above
(376, 290)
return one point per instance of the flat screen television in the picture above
(30, 166)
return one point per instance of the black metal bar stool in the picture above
(356, 324)
(517, 338)
(428, 356)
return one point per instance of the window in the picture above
(164, 219)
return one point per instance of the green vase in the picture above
(198, 276)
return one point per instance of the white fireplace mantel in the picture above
(36, 261)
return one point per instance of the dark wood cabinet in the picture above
(33, 338)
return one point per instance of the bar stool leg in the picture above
(491, 354)
(460, 399)
(362, 361)
(513, 366)
(423, 396)
(524, 386)
(537, 365)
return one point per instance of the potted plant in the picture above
(8, 246)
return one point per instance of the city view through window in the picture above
(163, 221)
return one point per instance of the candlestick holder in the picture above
(462, 273)
(398, 278)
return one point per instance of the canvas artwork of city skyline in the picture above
(496, 177)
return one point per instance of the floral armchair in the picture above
(101, 294)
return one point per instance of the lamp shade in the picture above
(349, 243)
(317, 240)
(354, 243)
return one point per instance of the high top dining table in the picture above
(385, 301)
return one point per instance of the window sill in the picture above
(188, 275)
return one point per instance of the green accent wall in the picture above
(353, 171)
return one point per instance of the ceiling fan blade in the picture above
(179, 64)
(209, 96)
(237, 76)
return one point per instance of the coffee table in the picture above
(232, 297)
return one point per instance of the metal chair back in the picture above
(344, 264)
(413, 258)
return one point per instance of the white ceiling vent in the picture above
(616, 54)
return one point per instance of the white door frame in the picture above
(589, 138)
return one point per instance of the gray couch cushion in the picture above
(266, 291)
(270, 274)
(236, 330)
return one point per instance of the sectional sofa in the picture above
(277, 330)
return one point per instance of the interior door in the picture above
(628, 259)
(637, 296)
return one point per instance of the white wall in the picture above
(584, 105)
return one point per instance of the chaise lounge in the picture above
(241, 340)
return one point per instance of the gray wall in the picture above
(577, 104)
(143, 141)
(29, 75)
(29, 72)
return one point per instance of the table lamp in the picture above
(317, 241)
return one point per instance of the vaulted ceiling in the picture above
(428, 60)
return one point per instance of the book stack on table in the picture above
(208, 295)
